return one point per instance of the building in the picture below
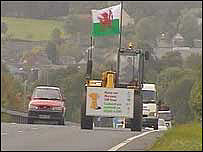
(177, 44)
(178, 40)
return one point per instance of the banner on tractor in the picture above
(110, 102)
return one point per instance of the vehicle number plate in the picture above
(44, 116)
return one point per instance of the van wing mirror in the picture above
(146, 54)
(64, 99)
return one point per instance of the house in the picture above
(67, 60)
(178, 40)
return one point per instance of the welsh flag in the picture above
(106, 21)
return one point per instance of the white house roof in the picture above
(178, 36)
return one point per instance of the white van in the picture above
(149, 95)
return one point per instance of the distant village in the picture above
(13, 49)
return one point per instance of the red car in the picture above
(46, 103)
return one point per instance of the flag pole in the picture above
(118, 55)
(121, 24)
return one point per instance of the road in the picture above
(28, 137)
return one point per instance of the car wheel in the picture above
(136, 121)
(30, 121)
(62, 121)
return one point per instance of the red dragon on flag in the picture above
(105, 19)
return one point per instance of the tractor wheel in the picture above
(136, 123)
(62, 121)
(156, 124)
(86, 121)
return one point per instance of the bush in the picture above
(10, 91)
(4, 28)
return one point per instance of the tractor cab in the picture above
(130, 66)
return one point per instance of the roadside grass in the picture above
(5, 117)
(31, 29)
(182, 137)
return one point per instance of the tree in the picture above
(190, 29)
(147, 30)
(193, 61)
(73, 24)
(51, 52)
(196, 98)
(168, 76)
(56, 36)
(174, 85)
(151, 67)
(178, 96)
(72, 49)
(171, 59)
(4, 28)
(10, 87)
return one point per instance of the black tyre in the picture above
(62, 121)
(136, 123)
(128, 123)
(156, 124)
(86, 121)
(29, 120)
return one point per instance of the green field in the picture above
(31, 29)
(186, 137)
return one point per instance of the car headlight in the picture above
(32, 107)
(152, 114)
(57, 108)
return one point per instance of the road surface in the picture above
(28, 137)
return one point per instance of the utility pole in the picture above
(25, 92)
(47, 77)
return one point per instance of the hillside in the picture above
(31, 29)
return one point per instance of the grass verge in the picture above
(5, 117)
(182, 137)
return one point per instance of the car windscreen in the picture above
(46, 93)
(165, 116)
(149, 96)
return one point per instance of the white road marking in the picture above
(129, 140)
(20, 131)
(13, 123)
(147, 128)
